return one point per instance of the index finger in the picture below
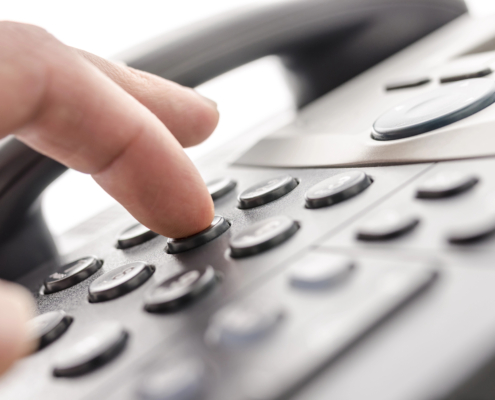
(67, 109)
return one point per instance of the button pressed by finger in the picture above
(219, 226)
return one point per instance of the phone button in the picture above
(46, 328)
(320, 271)
(440, 107)
(103, 344)
(266, 192)
(71, 274)
(407, 83)
(263, 235)
(336, 189)
(477, 73)
(243, 323)
(220, 187)
(120, 281)
(180, 289)
(446, 184)
(217, 227)
(386, 225)
(134, 235)
(473, 232)
(174, 379)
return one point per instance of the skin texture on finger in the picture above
(16, 308)
(181, 109)
(69, 110)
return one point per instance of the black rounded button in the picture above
(262, 236)
(134, 235)
(104, 343)
(46, 328)
(387, 225)
(336, 189)
(220, 187)
(217, 227)
(174, 379)
(71, 274)
(473, 232)
(180, 289)
(446, 184)
(120, 281)
(266, 191)
(433, 110)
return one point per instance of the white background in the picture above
(106, 27)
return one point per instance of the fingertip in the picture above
(16, 309)
(203, 118)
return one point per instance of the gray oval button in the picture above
(220, 187)
(174, 379)
(243, 323)
(217, 227)
(180, 289)
(320, 270)
(120, 281)
(446, 184)
(46, 328)
(266, 191)
(386, 225)
(134, 235)
(433, 110)
(262, 236)
(336, 189)
(71, 274)
(103, 343)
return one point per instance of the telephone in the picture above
(351, 255)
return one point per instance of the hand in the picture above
(124, 127)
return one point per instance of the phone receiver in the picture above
(321, 43)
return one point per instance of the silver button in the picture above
(243, 323)
(175, 379)
(320, 270)
(266, 191)
(134, 235)
(220, 187)
(446, 184)
(219, 226)
(440, 107)
(387, 224)
(336, 189)
(120, 281)
(262, 235)
(103, 343)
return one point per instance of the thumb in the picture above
(16, 308)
